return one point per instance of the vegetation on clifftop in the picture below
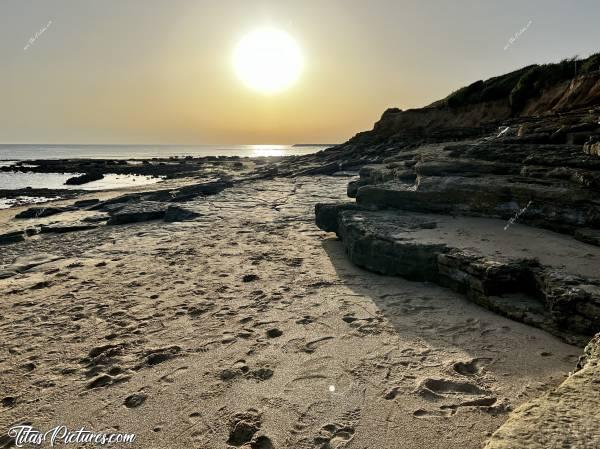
(523, 84)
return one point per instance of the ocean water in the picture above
(12, 152)
(22, 180)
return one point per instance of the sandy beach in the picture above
(249, 323)
(299, 225)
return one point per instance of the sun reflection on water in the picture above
(268, 150)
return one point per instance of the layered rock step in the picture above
(531, 275)
(554, 207)
(552, 186)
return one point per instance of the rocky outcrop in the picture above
(59, 228)
(533, 105)
(525, 172)
(84, 179)
(565, 417)
(125, 209)
(552, 206)
(40, 211)
(133, 208)
(181, 194)
(137, 212)
(178, 213)
(591, 236)
(544, 186)
(17, 236)
(148, 211)
(527, 285)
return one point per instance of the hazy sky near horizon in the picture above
(160, 71)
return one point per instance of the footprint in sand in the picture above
(160, 355)
(473, 367)
(171, 377)
(432, 414)
(274, 333)
(312, 346)
(135, 400)
(307, 319)
(261, 374)
(463, 394)
(9, 401)
(243, 427)
(444, 387)
(392, 393)
(334, 436)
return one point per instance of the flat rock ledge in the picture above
(129, 208)
(518, 272)
(148, 211)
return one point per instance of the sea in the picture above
(12, 153)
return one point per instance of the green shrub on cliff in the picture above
(521, 85)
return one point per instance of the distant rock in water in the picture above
(84, 179)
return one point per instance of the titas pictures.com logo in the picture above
(61, 435)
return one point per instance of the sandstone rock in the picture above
(178, 213)
(12, 237)
(243, 426)
(565, 417)
(194, 191)
(84, 179)
(552, 206)
(326, 215)
(60, 228)
(82, 204)
(425, 247)
(39, 211)
(18, 236)
(138, 212)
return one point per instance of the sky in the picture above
(161, 71)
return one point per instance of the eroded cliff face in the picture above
(583, 91)
(441, 121)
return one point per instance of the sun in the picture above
(268, 60)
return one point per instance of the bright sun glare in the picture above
(268, 60)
